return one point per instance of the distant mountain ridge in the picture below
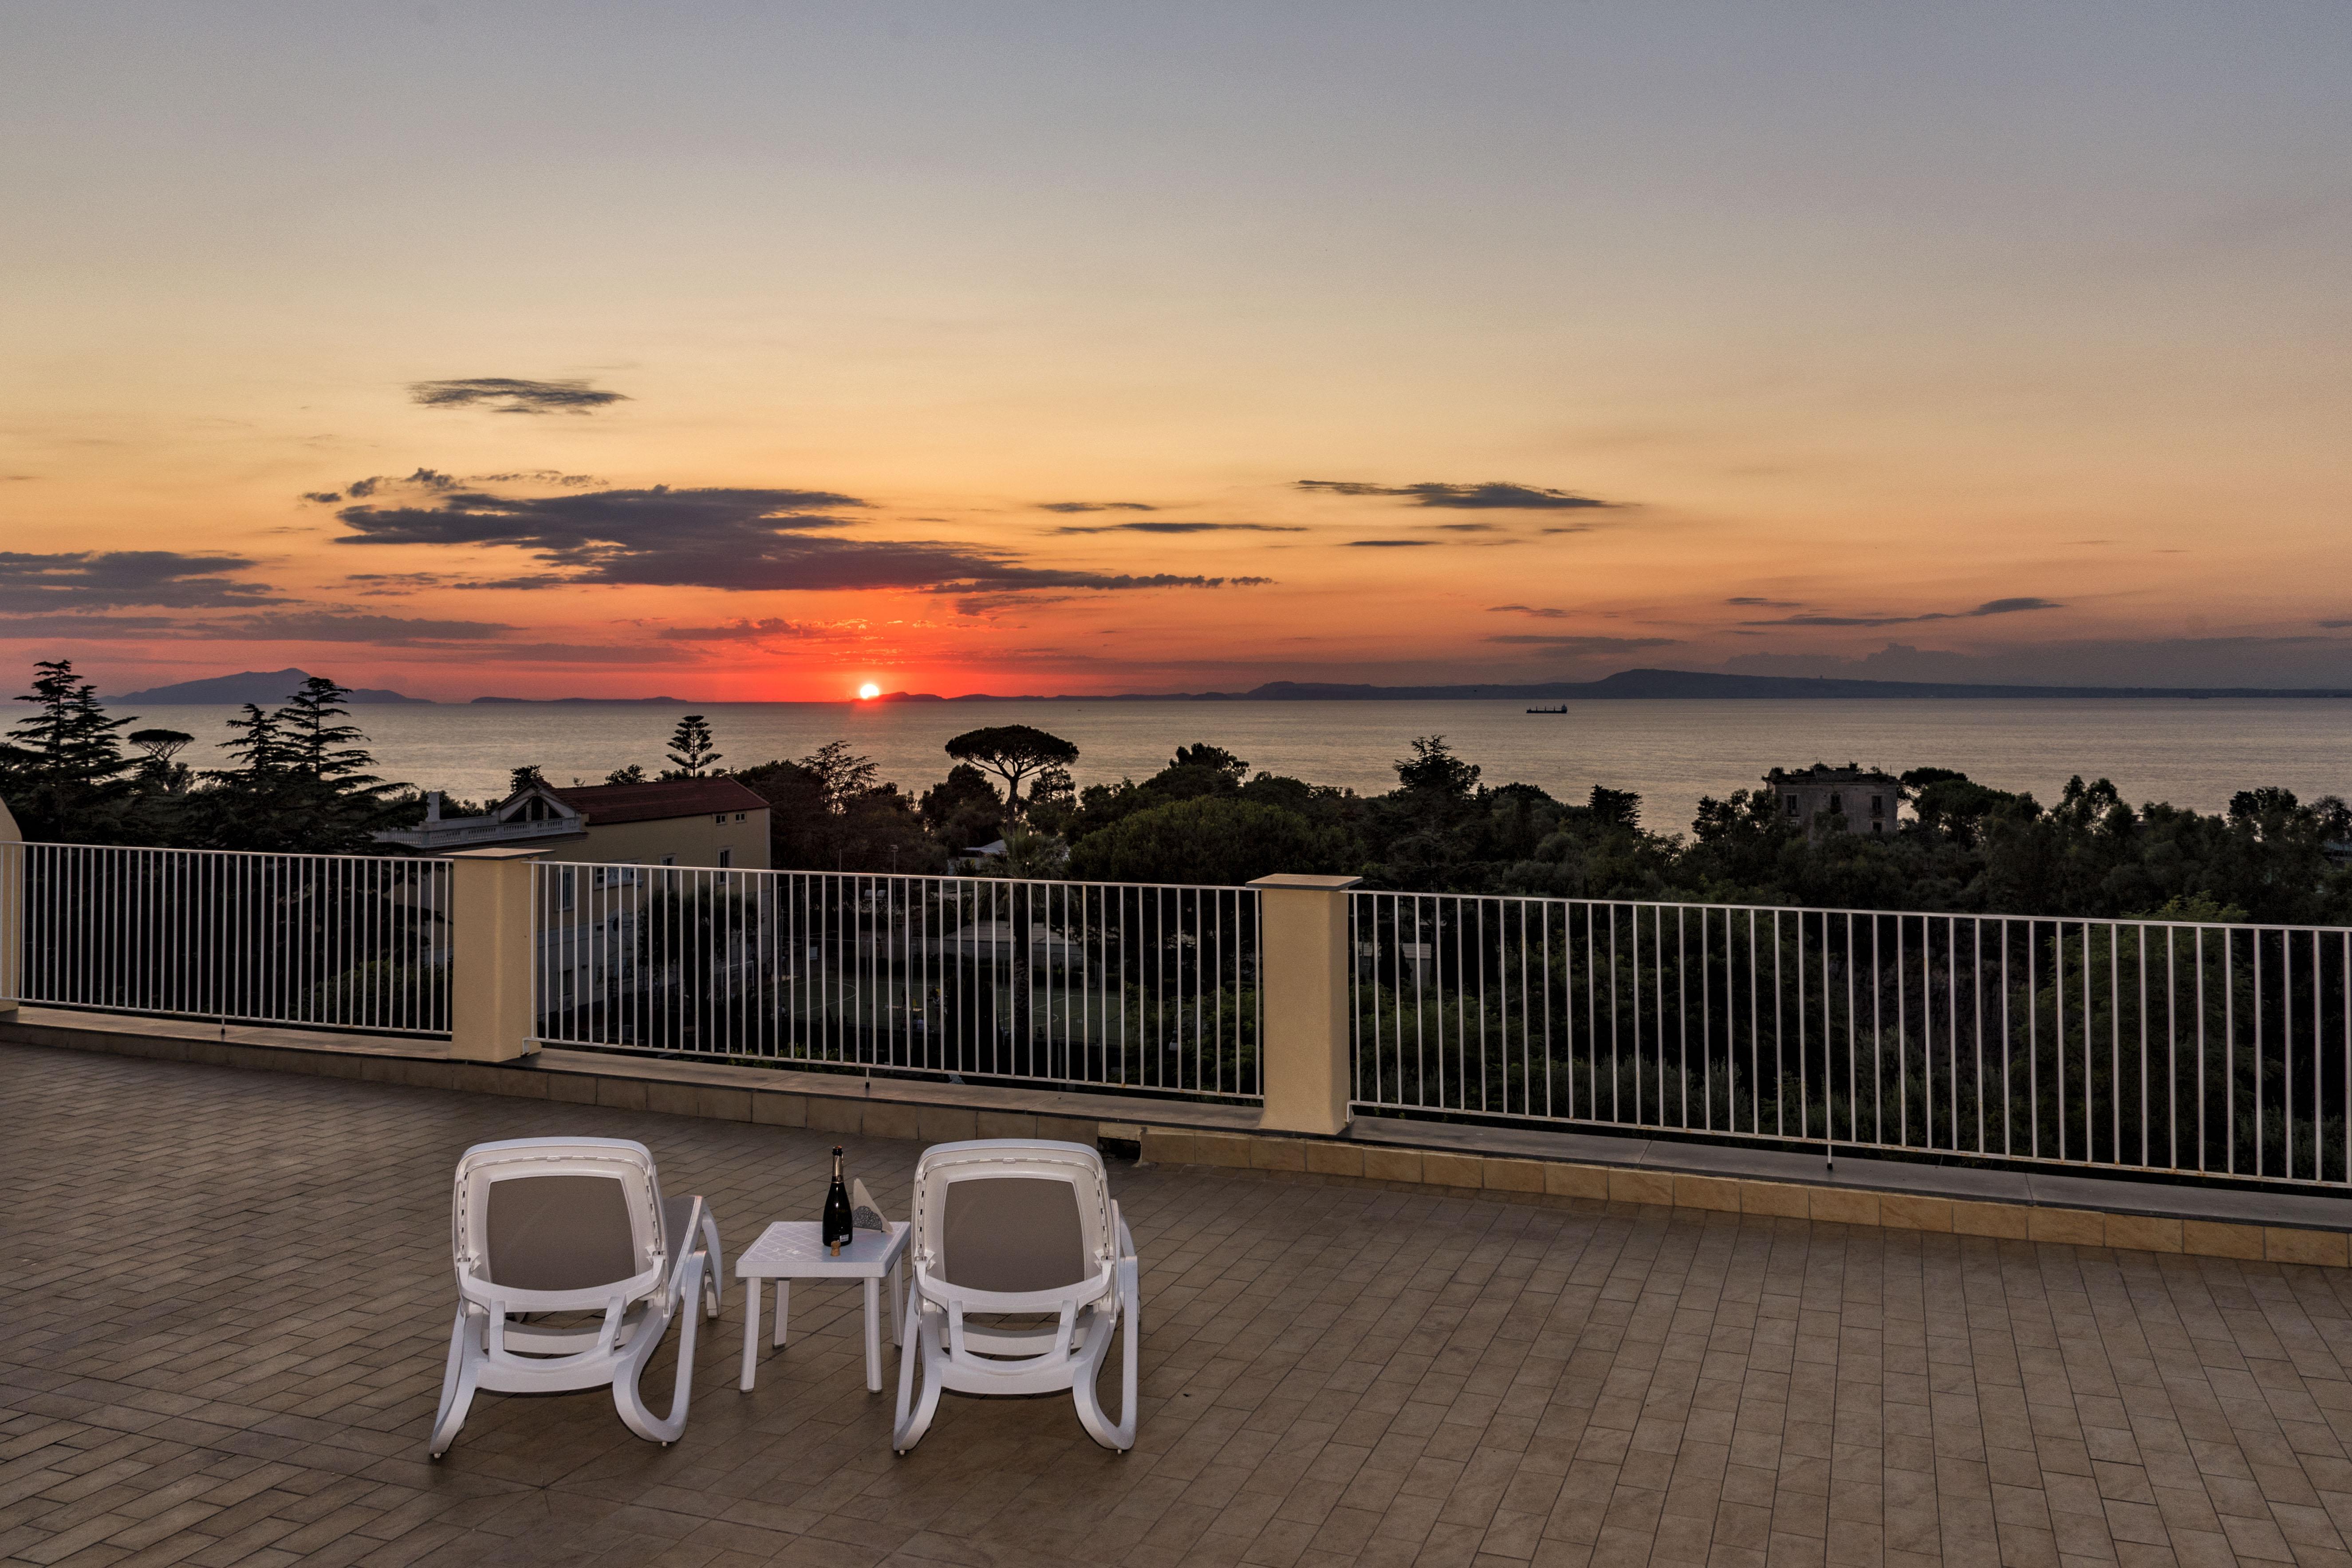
(263, 687)
(1652, 685)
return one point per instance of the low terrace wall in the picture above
(1577, 1170)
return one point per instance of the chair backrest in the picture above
(1012, 1216)
(546, 1217)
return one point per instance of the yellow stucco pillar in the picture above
(490, 955)
(1303, 988)
(12, 913)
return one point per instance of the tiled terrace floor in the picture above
(230, 1301)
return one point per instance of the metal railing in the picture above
(1104, 984)
(346, 942)
(2216, 1049)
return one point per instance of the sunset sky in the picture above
(759, 351)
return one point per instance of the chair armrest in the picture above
(684, 1249)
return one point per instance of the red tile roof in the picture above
(609, 803)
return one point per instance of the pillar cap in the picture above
(1309, 883)
(496, 853)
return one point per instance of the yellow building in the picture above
(671, 821)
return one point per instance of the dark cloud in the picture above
(1179, 528)
(1989, 607)
(1391, 544)
(1587, 644)
(1490, 497)
(1094, 506)
(1765, 603)
(507, 394)
(1539, 613)
(739, 539)
(103, 580)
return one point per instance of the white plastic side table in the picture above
(790, 1249)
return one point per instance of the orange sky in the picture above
(742, 356)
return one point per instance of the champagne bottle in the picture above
(835, 1229)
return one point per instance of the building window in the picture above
(568, 890)
(726, 858)
(1877, 827)
(738, 816)
(1878, 805)
(1837, 804)
(1792, 803)
(720, 819)
(669, 860)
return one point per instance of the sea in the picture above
(2190, 752)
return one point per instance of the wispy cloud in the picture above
(1160, 528)
(1541, 612)
(345, 626)
(1989, 607)
(394, 584)
(535, 476)
(1586, 644)
(1493, 496)
(766, 629)
(1095, 506)
(510, 394)
(1391, 544)
(425, 481)
(323, 625)
(1765, 603)
(103, 580)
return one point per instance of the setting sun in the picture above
(868, 692)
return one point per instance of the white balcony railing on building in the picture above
(2141, 1045)
(1138, 987)
(352, 942)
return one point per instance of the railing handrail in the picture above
(909, 877)
(250, 854)
(1664, 904)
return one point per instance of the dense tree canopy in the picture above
(299, 778)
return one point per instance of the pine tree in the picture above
(301, 784)
(62, 767)
(319, 748)
(691, 748)
(260, 745)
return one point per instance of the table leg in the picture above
(899, 1304)
(751, 1332)
(783, 1309)
(873, 1335)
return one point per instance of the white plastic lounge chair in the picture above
(1010, 1227)
(572, 1225)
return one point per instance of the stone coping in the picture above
(870, 1107)
(1396, 1163)
(2277, 1226)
